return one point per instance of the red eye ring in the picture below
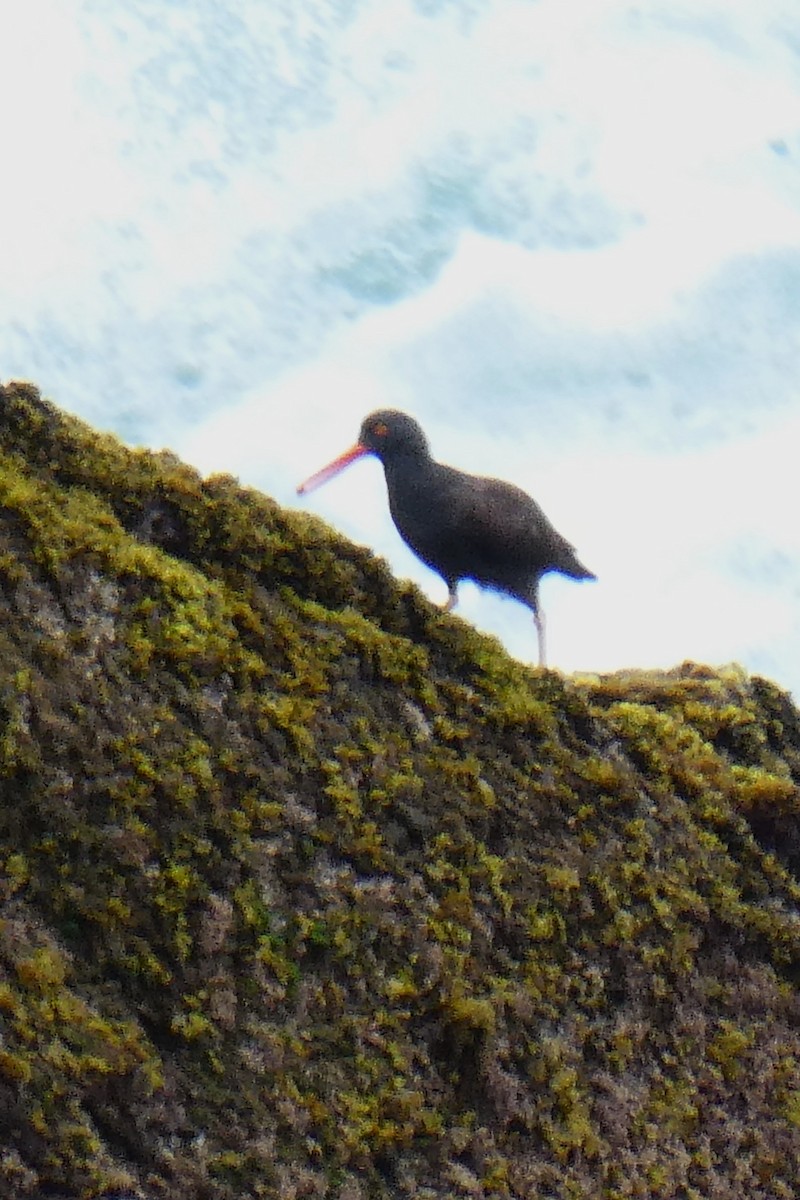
(380, 430)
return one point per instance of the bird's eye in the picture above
(380, 429)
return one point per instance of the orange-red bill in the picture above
(333, 468)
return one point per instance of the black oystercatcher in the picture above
(463, 526)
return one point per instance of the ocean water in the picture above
(565, 234)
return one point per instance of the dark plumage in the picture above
(463, 526)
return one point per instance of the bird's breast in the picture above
(422, 513)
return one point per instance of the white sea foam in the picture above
(567, 236)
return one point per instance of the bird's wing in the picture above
(496, 519)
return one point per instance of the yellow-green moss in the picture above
(307, 886)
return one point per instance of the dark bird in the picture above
(463, 526)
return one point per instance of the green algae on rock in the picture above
(308, 890)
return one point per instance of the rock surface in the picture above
(308, 890)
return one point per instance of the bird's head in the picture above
(387, 433)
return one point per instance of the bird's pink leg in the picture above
(452, 599)
(539, 622)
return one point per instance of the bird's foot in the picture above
(451, 601)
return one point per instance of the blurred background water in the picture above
(565, 234)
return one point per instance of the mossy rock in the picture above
(310, 890)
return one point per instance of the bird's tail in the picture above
(569, 565)
(579, 572)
